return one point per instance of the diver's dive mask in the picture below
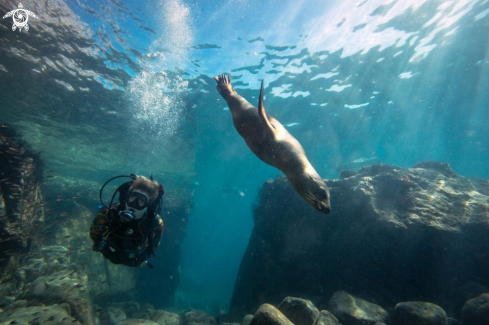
(137, 200)
(136, 205)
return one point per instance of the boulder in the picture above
(387, 223)
(198, 317)
(135, 321)
(112, 316)
(422, 313)
(247, 319)
(269, 315)
(326, 318)
(163, 317)
(299, 311)
(351, 310)
(476, 311)
(452, 321)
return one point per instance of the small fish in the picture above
(76, 197)
(5, 179)
(50, 171)
(72, 273)
(63, 277)
(291, 124)
(79, 285)
(59, 200)
(50, 176)
(68, 237)
(103, 282)
(99, 310)
(61, 195)
(13, 149)
(63, 214)
(4, 126)
(101, 294)
(84, 263)
(51, 318)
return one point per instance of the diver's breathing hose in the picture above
(113, 196)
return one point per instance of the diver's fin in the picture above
(261, 110)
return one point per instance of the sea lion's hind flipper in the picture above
(261, 110)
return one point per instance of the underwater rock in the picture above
(299, 311)
(476, 311)
(452, 321)
(38, 315)
(112, 316)
(247, 319)
(163, 317)
(387, 223)
(466, 292)
(326, 318)
(144, 312)
(130, 308)
(137, 322)
(198, 317)
(351, 310)
(269, 315)
(64, 286)
(418, 312)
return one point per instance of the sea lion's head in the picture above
(315, 192)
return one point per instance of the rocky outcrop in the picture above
(386, 225)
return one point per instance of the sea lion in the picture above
(273, 144)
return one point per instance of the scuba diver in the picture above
(129, 231)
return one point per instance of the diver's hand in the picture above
(98, 247)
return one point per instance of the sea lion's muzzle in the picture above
(323, 207)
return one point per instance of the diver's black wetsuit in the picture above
(127, 243)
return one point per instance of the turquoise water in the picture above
(111, 87)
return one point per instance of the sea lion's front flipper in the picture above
(261, 110)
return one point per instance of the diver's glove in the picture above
(98, 247)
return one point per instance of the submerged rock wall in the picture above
(21, 205)
(393, 235)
